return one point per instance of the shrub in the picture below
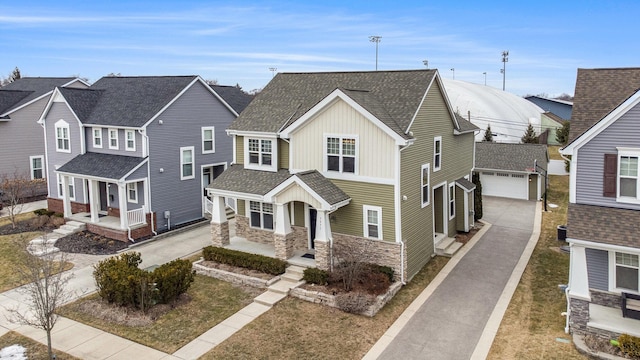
(387, 271)
(315, 276)
(629, 345)
(245, 260)
(354, 302)
(374, 282)
(119, 280)
(41, 212)
(173, 279)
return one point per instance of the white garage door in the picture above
(515, 186)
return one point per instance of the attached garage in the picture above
(507, 170)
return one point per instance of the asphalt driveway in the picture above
(450, 322)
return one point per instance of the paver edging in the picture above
(582, 348)
(231, 277)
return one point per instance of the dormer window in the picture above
(260, 154)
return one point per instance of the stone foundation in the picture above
(284, 245)
(234, 278)
(220, 234)
(376, 251)
(57, 205)
(579, 316)
(607, 299)
(323, 255)
(300, 238)
(244, 230)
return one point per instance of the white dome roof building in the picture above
(508, 114)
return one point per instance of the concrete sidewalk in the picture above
(458, 314)
(26, 207)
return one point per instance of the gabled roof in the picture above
(563, 102)
(510, 157)
(125, 101)
(234, 96)
(598, 92)
(27, 89)
(99, 165)
(554, 117)
(393, 97)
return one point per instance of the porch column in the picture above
(578, 278)
(323, 241)
(66, 197)
(284, 247)
(94, 201)
(219, 223)
(122, 203)
(283, 225)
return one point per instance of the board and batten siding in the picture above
(349, 219)
(433, 119)
(58, 111)
(598, 268)
(20, 138)
(590, 170)
(375, 148)
(181, 126)
(122, 142)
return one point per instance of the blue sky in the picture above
(236, 42)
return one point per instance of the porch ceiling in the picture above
(104, 166)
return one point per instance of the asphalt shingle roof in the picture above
(100, 165)
(510, 157)
(465, 125)
(597, 93)
(32, 88)
(603, 224)
(238, 179)
(466, 184)
(391, 96)
(234, 96)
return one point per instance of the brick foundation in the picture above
(123, 235)
(113, 212)
(57, 205)
(220, 234)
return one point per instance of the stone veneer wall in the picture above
(300, 237)
(378, 251)
(220, 234)
(607, 299)
(579, 316)
(57, 205)
(244, 230)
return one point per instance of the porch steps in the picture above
(293, 273)
(231, 214)
(279, 290)
(447, 247)
(269, 298)
(43, 245)
(70, 227)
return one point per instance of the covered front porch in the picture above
(111, 199)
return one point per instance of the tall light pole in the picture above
(453, 70)
(426, 63)
(485, 78)
(375, 39)
(505, 58)
(273, 71)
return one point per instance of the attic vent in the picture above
(360, 90)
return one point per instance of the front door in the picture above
(103, 196)
(313, 214)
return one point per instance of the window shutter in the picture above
(610, 175)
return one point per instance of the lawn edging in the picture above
(233, 278)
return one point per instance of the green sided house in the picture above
(378, 158)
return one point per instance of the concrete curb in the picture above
(493, 324)
(406, 315)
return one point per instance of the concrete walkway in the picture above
(458, 314)
(26, 207)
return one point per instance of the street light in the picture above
(505, 58)
(273, 71)
(453, 70)
(485, 78)
(375, 39)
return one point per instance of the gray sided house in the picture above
(131, 155)
(21, 138)
(560, 108)
(514, 171)
(604, 204)
(377, 159)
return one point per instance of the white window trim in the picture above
(133, 200)
(117, 145)
(72, 186)
(126, 140)
(365, 220)
(262, 212)
(193, 163)
(438, 163)
(213, 140)
(61, 124)
(31, 168)
(325, 162)
(452, 201)
(612, 273)
(274, 154)
(94, 137)
(422, 202)
(630, 152)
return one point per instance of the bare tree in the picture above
(352, 258)
(45, 289)
(14, 189)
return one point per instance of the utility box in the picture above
(562, 232)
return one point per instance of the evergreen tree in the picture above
(15, 75)
(477, 197)
(529, 136)
(488, 136)
(562, 135)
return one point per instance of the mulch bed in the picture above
(85, 242)
(28, 226)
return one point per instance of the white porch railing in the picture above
(135, 217)
(231, 202)
(208, 206)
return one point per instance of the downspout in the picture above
(402, 263)
(566, 294)
(402, 245)
(146, 137)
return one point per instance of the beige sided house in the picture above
(324, 158)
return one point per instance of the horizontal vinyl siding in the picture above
(598, 269)
(60, 110)
(241, 207)
(375, 148)
(298, 209)
(349, 219)
(181, 126)
(105, 143)
(240, 150)
(590, 172)
(283, 154)
(20, 138)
